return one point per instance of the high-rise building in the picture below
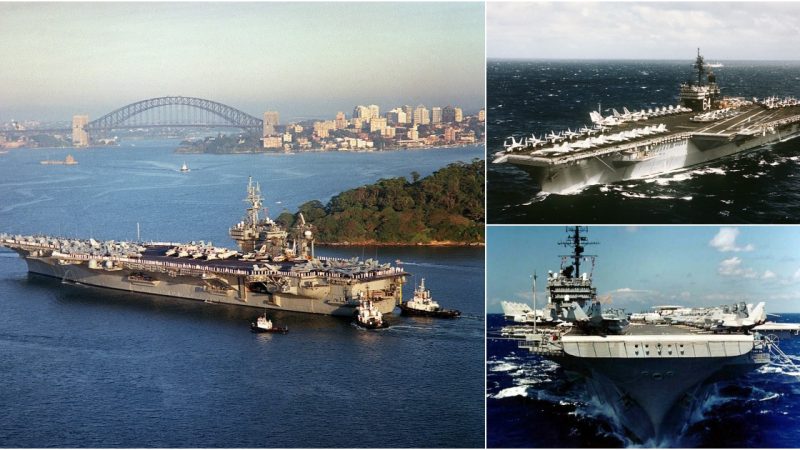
(361, 112)
(389, 132)
(341, 120)
(409, 113)
(436, 115)
(396, 117)
(421, 115)
(412, 133)
(449, 134)
(270, 120)
(377, 124)
(482, 115)
(323, 129)
(448, 114)
(80, 137)
(458, 116)
(374, 111)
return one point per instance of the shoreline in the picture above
(401, 244)
(319, 150)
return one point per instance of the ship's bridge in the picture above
(566, 290)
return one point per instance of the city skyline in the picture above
(640, 267)
(306, 60)
(643, 30)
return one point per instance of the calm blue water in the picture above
(527, 97)
(531, 403)
(83, 367)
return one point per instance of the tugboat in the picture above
(367, 316)
(264, 325)
(424, 305)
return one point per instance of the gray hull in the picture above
(192, 288)
(654, 398)
(662, 158)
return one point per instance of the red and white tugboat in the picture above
(264, 325)
(424, 305)
(367, 316)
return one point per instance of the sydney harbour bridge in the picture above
(160, 112)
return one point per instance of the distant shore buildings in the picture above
(366, 129)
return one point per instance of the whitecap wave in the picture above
(515, 391)
(503, 367)
(769, 397)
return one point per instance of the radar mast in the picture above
(700, 66)
(577, 242)
(255, 200)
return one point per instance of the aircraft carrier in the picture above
(653, 373)
(274, 268)
(703, 127)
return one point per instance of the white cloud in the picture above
(768, 275)
(650, 30)
(732, 267)
(725, 241)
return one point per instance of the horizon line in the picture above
(537, 58)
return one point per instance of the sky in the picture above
(301, 59)
(645, 266)
(643, 30)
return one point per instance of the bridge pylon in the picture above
(80, 136)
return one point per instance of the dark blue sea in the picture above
(531, 403)
(527, 97)
(85, 367)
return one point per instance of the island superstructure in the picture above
(274, 268)
(704, 126)
(653, 373)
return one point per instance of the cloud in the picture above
(732, 267)
(650, 30)
(725, 241)
(768, 275)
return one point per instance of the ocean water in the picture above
(532, 403)
(86, 367)
(527, 97)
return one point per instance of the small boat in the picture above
(264, 325)
(367, 316)
(424, 305)
(185, 168)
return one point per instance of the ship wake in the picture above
(567, 400)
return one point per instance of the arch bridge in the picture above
(173, 111)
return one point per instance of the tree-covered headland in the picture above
(445, 208)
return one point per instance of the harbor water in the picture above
(86, 367)
(525, 97)
(532, 402)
